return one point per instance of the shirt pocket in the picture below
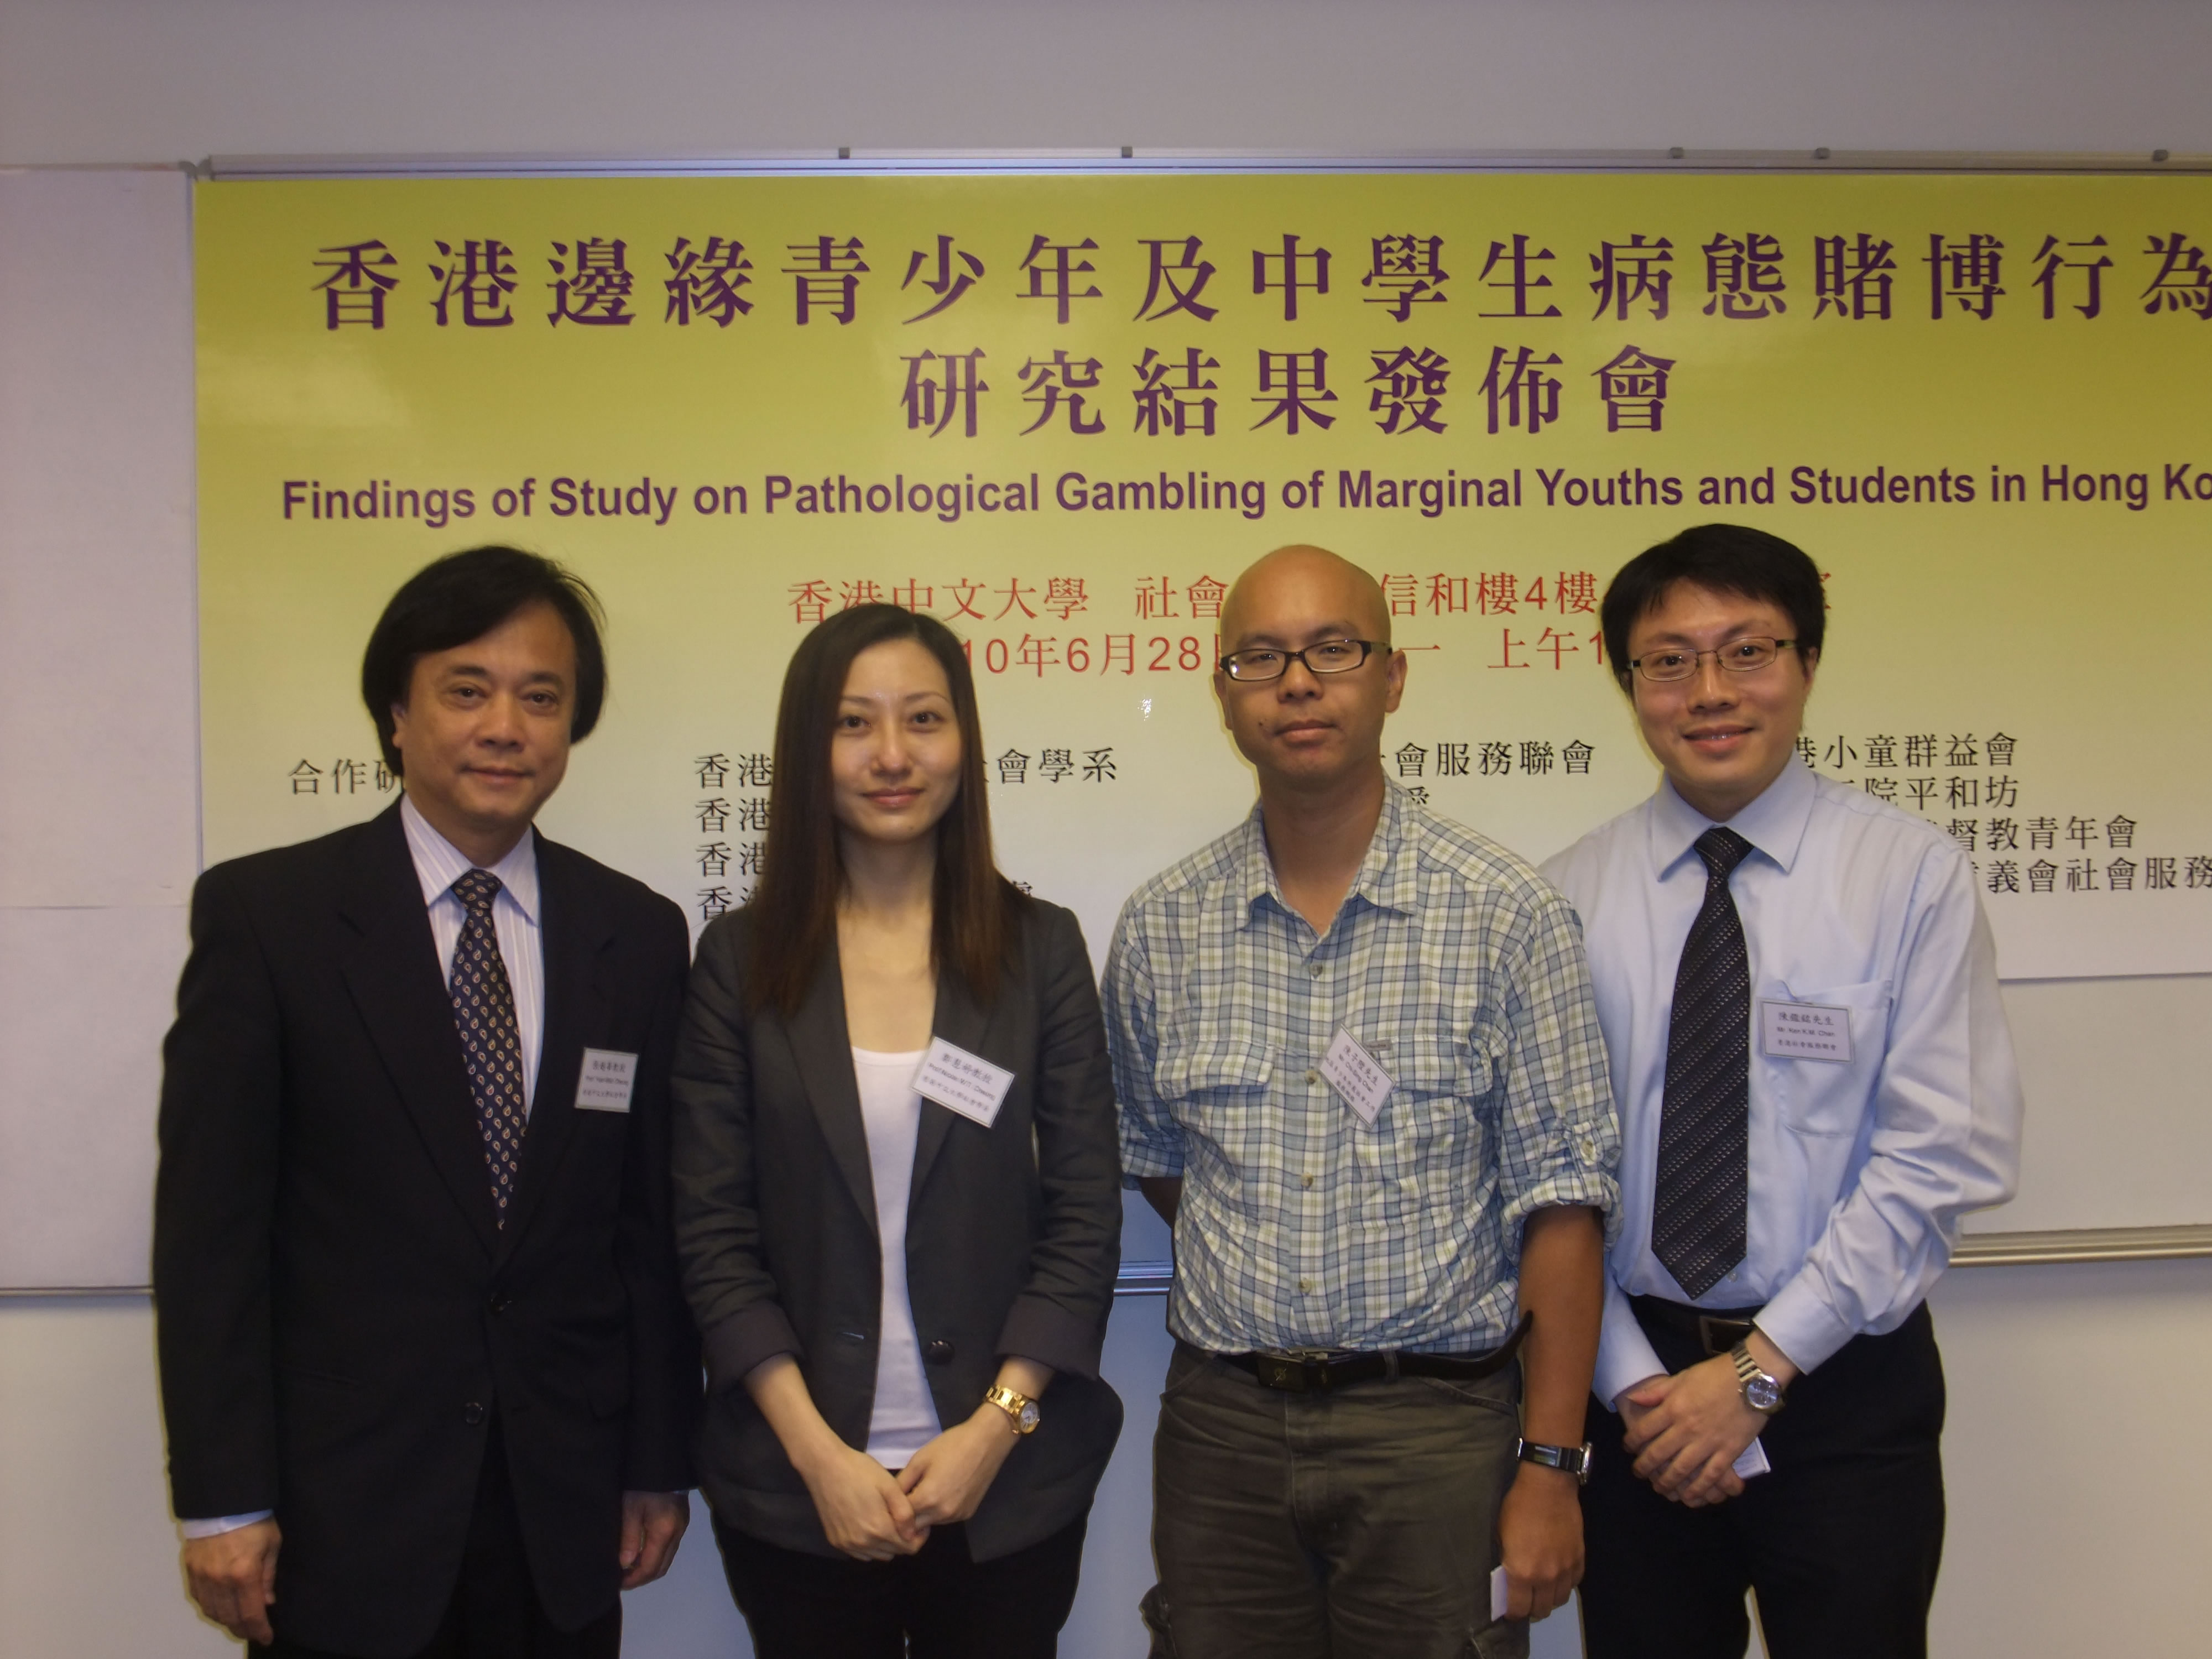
(1827, 1098)
(1429, 1127)
(1215, 1084)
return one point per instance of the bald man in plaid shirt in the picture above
(1361, 1075)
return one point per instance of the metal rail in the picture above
(2038, 1249)
(1129, 160)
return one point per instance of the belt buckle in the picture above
(1292, 1370)
(1719, 1335)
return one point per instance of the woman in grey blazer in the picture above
(897, 1197)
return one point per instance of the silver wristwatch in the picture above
(1761, 1392)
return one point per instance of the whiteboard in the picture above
(99, 816)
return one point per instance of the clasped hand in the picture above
(1686, 1431)
(873, 1515)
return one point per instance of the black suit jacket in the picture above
(1012, 1242)
(341, 1318)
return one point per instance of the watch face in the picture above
(1764, 1394)
(1029, 1416)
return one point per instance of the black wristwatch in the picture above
(1569, 1460)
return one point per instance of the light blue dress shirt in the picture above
(1861, 1168)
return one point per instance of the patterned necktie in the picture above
(491, 1042)
(1705, 1120)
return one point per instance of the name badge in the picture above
(962, 1082)
(1352, 1072)
(606, 1080)
(1805, 1030)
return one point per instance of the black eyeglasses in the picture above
(1745, 656)
(1265, 662)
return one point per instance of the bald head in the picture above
(1321, 588)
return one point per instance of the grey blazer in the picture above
(1013, 1232)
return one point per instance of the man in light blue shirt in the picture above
(1799, 995)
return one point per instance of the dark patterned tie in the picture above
(1705, 1120)
(483, 1010)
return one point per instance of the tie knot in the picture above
(476, 891)
(1721, 849)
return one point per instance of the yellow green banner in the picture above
(1061, 413)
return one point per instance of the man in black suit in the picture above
(419, 1320)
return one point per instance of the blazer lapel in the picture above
(822, 1049)
(572, 933)
(393, 976)
(961, 1023)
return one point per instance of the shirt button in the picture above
(1305, 1284)
(1589, 1149)
(1312, 1076)
(1306, 1181)
(473, 1413)
(1314, 969)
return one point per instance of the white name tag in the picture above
(1352, 1072)
(1805, 1030)
(962, 1082)
(606, 1080)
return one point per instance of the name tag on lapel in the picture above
(962, 1082)
(605, 1082)
(1805, 1030)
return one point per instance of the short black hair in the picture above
(462, 597)
(1728, 558)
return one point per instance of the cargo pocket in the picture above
(1153, 1610)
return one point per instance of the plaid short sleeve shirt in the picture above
(1461, 973)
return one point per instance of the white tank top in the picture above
(904, 1419)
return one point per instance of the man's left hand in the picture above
(1693, 1425)
(1540, 1531)
(652, 1524)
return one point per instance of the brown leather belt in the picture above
(1316, 1371)
(1718, 1329)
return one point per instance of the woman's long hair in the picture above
(794, 908)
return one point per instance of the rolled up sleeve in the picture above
(1558, 1134)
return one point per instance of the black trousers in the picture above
(494, 1613)
(1841, 1541)
(934, 1604)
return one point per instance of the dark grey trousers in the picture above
(1360, 1523)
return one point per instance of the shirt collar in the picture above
(1774, 824)
(438, 864)
(1389, 878)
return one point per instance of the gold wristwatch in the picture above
(1018, 1407)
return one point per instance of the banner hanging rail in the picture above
(1129, 160)
(2058, 1248)
(2063, 1246)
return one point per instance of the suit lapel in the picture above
(961, 1023)
(822, 1049)
(573, 934)
(392, 974)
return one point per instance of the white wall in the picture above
(2078, 1521)
(160, 80)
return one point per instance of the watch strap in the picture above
(1018, 1407)
(1568, 1460)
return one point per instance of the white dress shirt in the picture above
(1860, 1168)
(516, 918)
